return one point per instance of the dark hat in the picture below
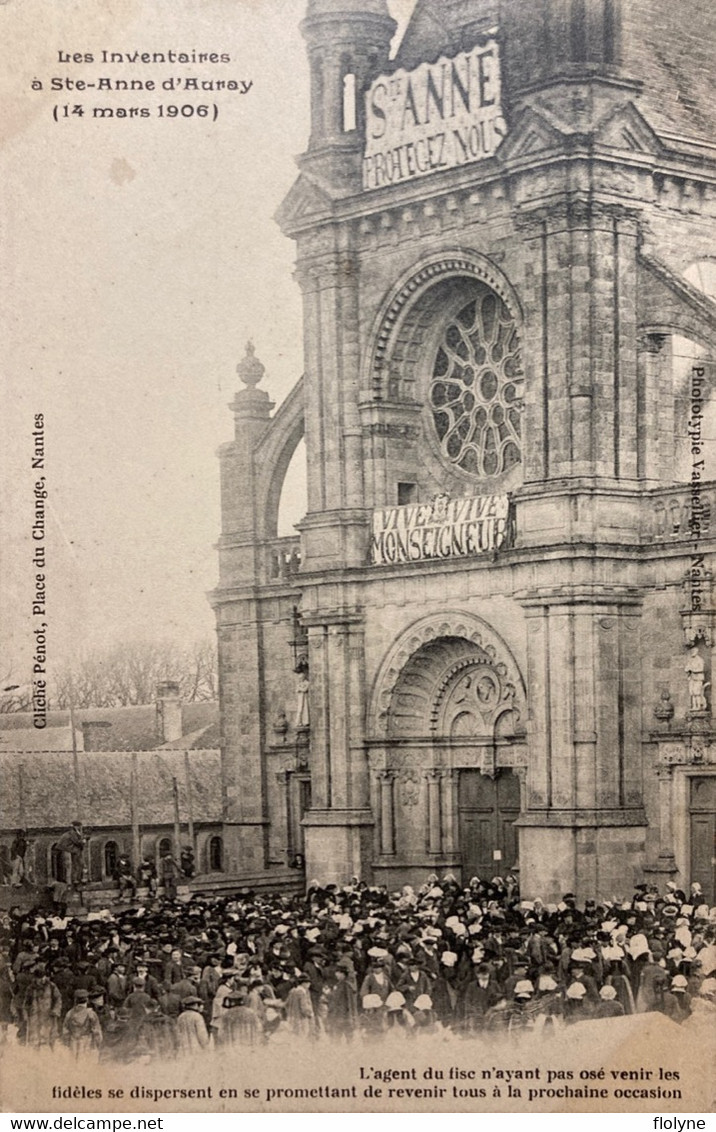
(81, 995)
(191, 1000)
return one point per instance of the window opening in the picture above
(216, 855)
(407, 493)
(349, 102)
(111, 853)
(476, 388)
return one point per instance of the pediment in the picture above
(305, 199)
(625, 129)
(532, 133)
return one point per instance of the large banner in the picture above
(436, 117)
(443, 528)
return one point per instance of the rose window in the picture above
(476, 388)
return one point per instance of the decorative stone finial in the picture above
(250, 369)
(664, 710)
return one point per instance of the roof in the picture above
(30, 739)
(672, 57)
(37, 789)
(134, 728)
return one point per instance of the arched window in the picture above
(164, 846)
(58, 870)
(216, 855)
(111, 853)
(349, 102)
(476, 388)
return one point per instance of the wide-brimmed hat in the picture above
(395, 1001)
(423, 1002)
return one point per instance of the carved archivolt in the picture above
(444, 265)
(421, 678)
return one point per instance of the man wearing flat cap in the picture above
(191, 1032)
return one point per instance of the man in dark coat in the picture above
(73, 842)
(342, 1012)
(480, 996)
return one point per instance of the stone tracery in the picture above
(476, 388)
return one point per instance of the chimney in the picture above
(169, 711)
(96, 735)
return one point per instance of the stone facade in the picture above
(492, 646)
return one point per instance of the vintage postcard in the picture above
(357, 713)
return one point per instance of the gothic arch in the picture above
(458, 264)
(273, 456)
(457, 641)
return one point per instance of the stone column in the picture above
(284, 781)
(434, 816)
(581, 411)
(319, 715)
(240, 631)
(339, 826)
(335, 528)
(656, 402)
(242, 763)
(666, 861)
(449, 799)
(386, 779)
(584, 823)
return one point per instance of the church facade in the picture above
(490, 648)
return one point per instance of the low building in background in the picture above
(142, 780)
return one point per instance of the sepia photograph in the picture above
(357, 657)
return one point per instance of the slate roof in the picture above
(30, 739)
(671, 52)
(134, 728)
(43, 794)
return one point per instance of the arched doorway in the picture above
(451, 703)
(111, 856)
(164, 845)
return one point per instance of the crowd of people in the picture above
(169, 978)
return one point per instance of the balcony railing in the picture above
(282, 559)
(682, 513)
